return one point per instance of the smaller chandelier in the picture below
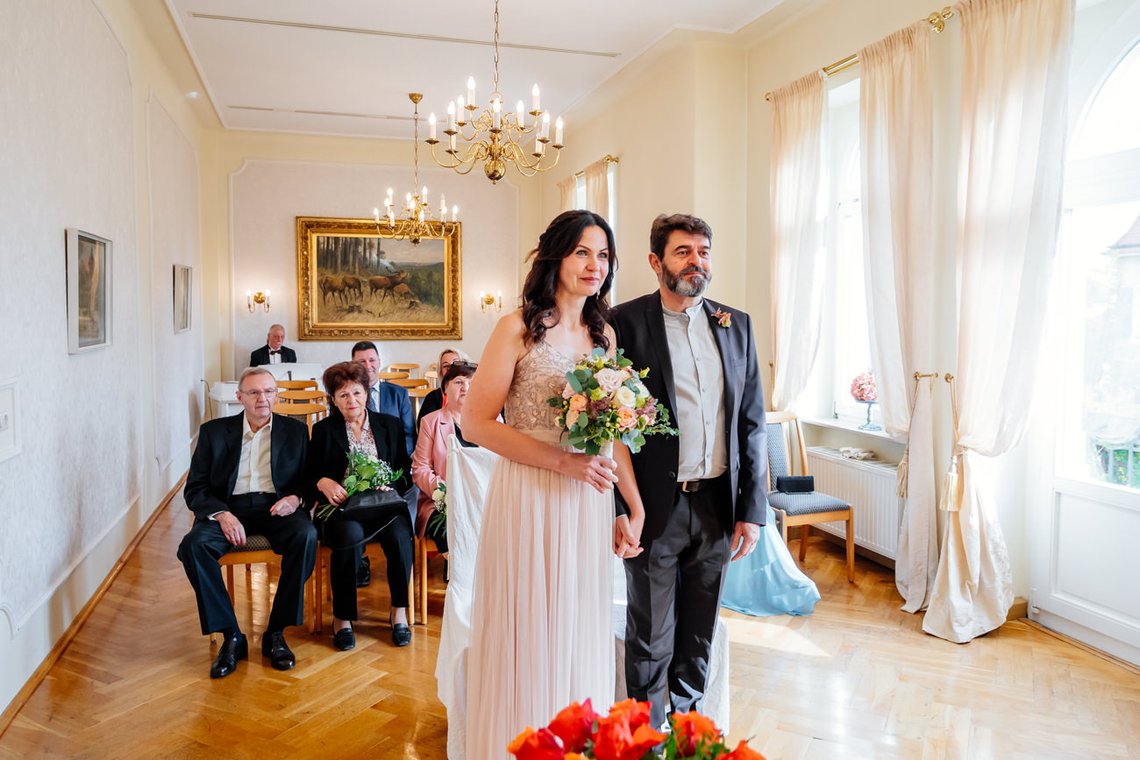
(415, 221)
(496, 137)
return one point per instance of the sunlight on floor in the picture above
(759, 633)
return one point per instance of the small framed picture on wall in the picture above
(88, 291)
(183, 289)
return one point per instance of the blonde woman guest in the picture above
(429, 462)
(434, 400)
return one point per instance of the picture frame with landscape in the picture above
(357, 281)
(88, 291)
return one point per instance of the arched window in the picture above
(1100, 434)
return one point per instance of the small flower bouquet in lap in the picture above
(365, 474)
(579, 733)
(437, 523)
(604, 400)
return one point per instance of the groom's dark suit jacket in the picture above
(640, 328)
(214, 466)
(260, 356)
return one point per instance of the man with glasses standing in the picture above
(246, 478)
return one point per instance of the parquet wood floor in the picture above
(857, 679)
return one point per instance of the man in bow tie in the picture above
(274, 351)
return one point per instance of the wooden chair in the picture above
(296, 385)
(425, 549)
(417, 398)
(256, 551)
(432, 376)
(410, 368)
(802, 509)
(302, 397)
(393, 375)
(307, 413)
(323, 590)
(411, 382)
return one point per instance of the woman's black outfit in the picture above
(328, 458)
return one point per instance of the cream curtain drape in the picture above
(1014, 91)
(566, 194)
(797, 251)
(896, 134)
(598, 189)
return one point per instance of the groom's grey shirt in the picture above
(698, 380)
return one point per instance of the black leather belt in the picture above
(692, 486)
(252, 500)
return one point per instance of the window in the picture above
(1100, 437)
(845, 350)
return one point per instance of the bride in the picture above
(541, 624)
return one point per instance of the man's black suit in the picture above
(209, 489)
(260, 356)
(674, 585)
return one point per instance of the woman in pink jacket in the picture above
(429, 462)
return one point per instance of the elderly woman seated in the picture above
(429, 462)
(352, 428)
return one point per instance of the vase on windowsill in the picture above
(868, 425)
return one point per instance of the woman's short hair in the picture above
(459, 352)
(457, 369)
(341, 374)
(559, 241)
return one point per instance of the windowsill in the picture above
(851, 425)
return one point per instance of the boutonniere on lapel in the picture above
(723, 318)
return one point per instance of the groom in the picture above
(703, 490)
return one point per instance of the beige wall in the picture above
(82, 149)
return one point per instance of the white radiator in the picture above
(870, 488)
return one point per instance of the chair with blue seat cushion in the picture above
(802, 509)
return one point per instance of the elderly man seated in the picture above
(246, 477)
(274, 351)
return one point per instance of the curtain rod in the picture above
(606, 159)
(937, 21)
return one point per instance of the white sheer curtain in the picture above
(797, 253)
(598, 189)
(896, 135)
(1014, 90)
(566, 193)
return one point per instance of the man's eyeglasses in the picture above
(259, 394)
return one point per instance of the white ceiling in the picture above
(345, 67)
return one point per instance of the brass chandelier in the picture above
(496, 137)
(416, 221)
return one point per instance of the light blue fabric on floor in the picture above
(767, 581)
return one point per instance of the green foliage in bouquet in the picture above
(365, 473)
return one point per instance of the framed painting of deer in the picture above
(357, 281)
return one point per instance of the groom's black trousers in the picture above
(674, 595)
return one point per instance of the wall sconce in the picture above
(253, 300)
(488, 302)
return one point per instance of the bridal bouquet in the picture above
(578, 733)
(365, 473)
(604, 400)
(863, 388)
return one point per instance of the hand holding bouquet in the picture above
(604, 400)
(365, 473)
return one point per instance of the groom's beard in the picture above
(682, 285)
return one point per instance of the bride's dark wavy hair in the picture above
(556, 243)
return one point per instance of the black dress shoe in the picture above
(233, 648)
(274, 647)
(344, 639)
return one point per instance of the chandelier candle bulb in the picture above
(470, 89)
(450, 116)
(545, 127)
(520, 115)
(496, 114)
(431, 124)
(534, 101)
(558, 131)
(455, 213)
(459, 110)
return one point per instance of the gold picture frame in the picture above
(357, 281)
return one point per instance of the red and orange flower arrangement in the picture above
(578, 733)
